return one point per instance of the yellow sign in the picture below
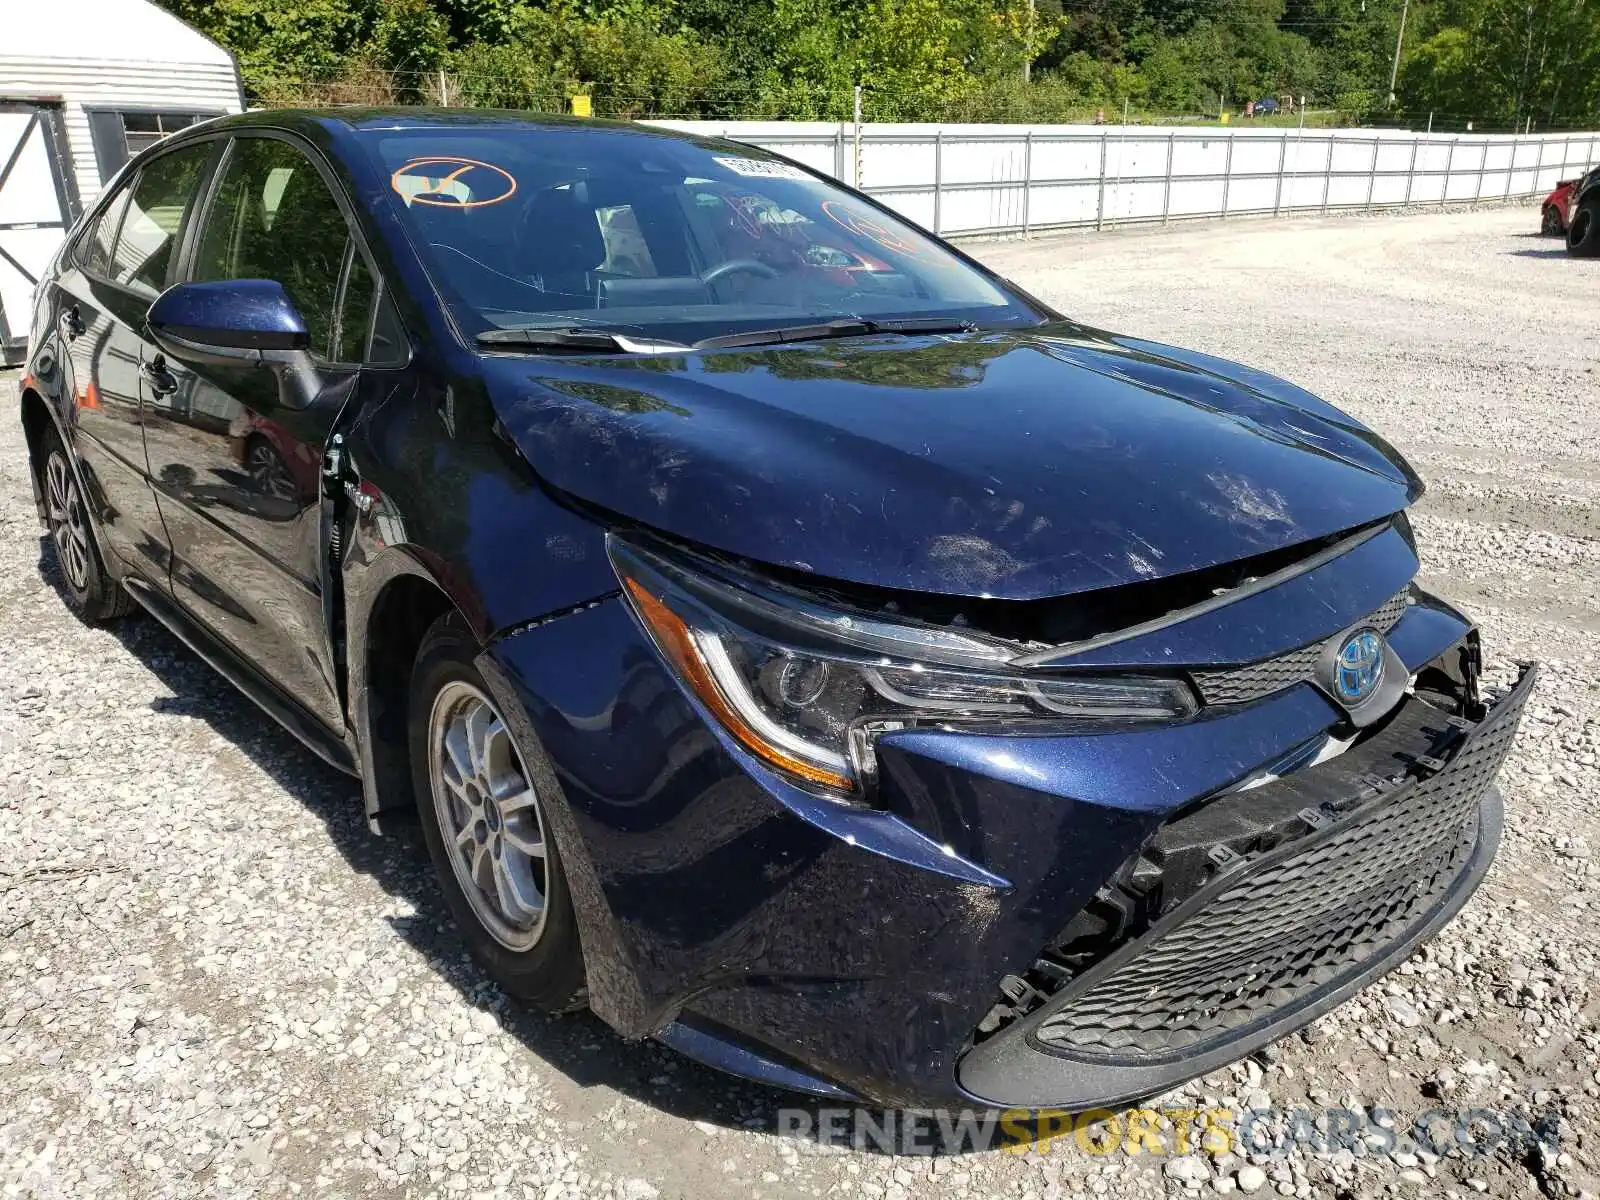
(582, 106)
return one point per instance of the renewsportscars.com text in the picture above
(1172, 1130)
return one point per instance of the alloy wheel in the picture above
(64, 509)
(489, 815)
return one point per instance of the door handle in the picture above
(160, 379)
(71, 322)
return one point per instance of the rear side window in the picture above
(274, 218)
(149, 231)
(102, 239)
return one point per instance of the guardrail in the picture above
(968, 180)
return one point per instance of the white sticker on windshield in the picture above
(761, 168)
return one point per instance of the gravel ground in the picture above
(213, 981)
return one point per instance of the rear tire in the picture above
(85, 583)
(486, 829)
(1550, 226)
(1583, 235)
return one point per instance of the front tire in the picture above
(87, 586)
(1550, 226)
(486, 828)
(1583, 235)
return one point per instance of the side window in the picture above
(149, 231)
(274, 218)
(389, 342)
(369, 329)
(94, 252)
(355, 311)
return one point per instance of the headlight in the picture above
(807, 689)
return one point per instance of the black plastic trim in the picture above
(1023, 1077)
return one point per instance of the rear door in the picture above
(237, 472)
(105, 289)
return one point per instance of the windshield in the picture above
(542, 228)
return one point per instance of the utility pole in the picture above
(1399, 37)
(1027, 47)
(855, 174)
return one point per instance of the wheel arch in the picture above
(37, 419)
(387, 619)
(41, 415)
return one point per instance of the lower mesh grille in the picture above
(1265, 936)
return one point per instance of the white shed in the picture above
(85, 84)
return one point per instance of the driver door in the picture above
(236, 471)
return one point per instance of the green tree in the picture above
(1492, 61)
(276, 39)
(1506, 61)
(623, 57)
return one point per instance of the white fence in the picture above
(992, 179)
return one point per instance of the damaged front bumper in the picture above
(1022, 920)
(1354, 863)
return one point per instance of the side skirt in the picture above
(321, 740)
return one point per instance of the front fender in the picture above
(430, 499)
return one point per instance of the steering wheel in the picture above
(735, 265)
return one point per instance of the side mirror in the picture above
(234, 322)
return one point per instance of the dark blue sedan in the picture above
(797, 643)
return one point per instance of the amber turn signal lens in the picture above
(677, 642)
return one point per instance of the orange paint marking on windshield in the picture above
(873, 230)
(434, 193)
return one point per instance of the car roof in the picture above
(337, 121)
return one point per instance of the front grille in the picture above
(1238, 685)
(1258, 679)
(1281, 927)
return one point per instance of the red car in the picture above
(1553, 222)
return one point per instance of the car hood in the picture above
(1014, 465)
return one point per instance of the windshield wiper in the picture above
(576, 338)
(843, 327)
(579, 338)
